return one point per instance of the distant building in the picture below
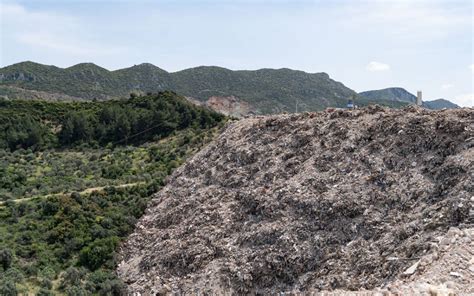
(419, 101)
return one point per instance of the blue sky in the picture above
(426, 45)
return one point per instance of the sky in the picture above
(416, 44)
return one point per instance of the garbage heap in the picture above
(340, 200)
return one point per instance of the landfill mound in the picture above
(341, 200)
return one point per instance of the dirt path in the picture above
(83, 192)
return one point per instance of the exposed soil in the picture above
(228, 105)
(330, 201)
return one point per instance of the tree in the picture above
(76, 127)
(100, 251)
(72, 276)
(6, 258)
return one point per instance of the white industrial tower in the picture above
(418, 98)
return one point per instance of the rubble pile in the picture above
(338, 200)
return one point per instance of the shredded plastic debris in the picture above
(328, 201)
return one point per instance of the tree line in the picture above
(132, 121)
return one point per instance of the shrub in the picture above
(105, 283)
(44, 292)
(72, 277)
(76, 291)
(6, 258)
(8, 288)
(98, 252)
(14, 274)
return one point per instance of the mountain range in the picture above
(398, 94)
(263, 91)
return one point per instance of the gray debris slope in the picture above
(342, 200)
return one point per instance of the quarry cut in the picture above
(342, 200)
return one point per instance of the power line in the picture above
(134, 135)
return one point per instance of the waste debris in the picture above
(370, 199)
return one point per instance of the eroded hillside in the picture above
(342, 200)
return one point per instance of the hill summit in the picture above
(341, 200)
(390, 94)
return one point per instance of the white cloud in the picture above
(52, 33)
(472, 67)
(49, 41)
(465, 100)
(377, 67)
(411, 19)
(447, 86)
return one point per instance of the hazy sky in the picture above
(426, 45)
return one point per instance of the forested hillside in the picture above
(266, 90)
(75, 177)
(40, 124)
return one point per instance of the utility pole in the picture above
(296, 107)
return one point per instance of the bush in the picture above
(99, 252)
(44, 292)
(76, 291)
(14, 274)
(6, 258)
(72, 277)
(8, 288)
(105, 283)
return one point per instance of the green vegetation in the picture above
(32, 124)
(267, 90)
(74, 181)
